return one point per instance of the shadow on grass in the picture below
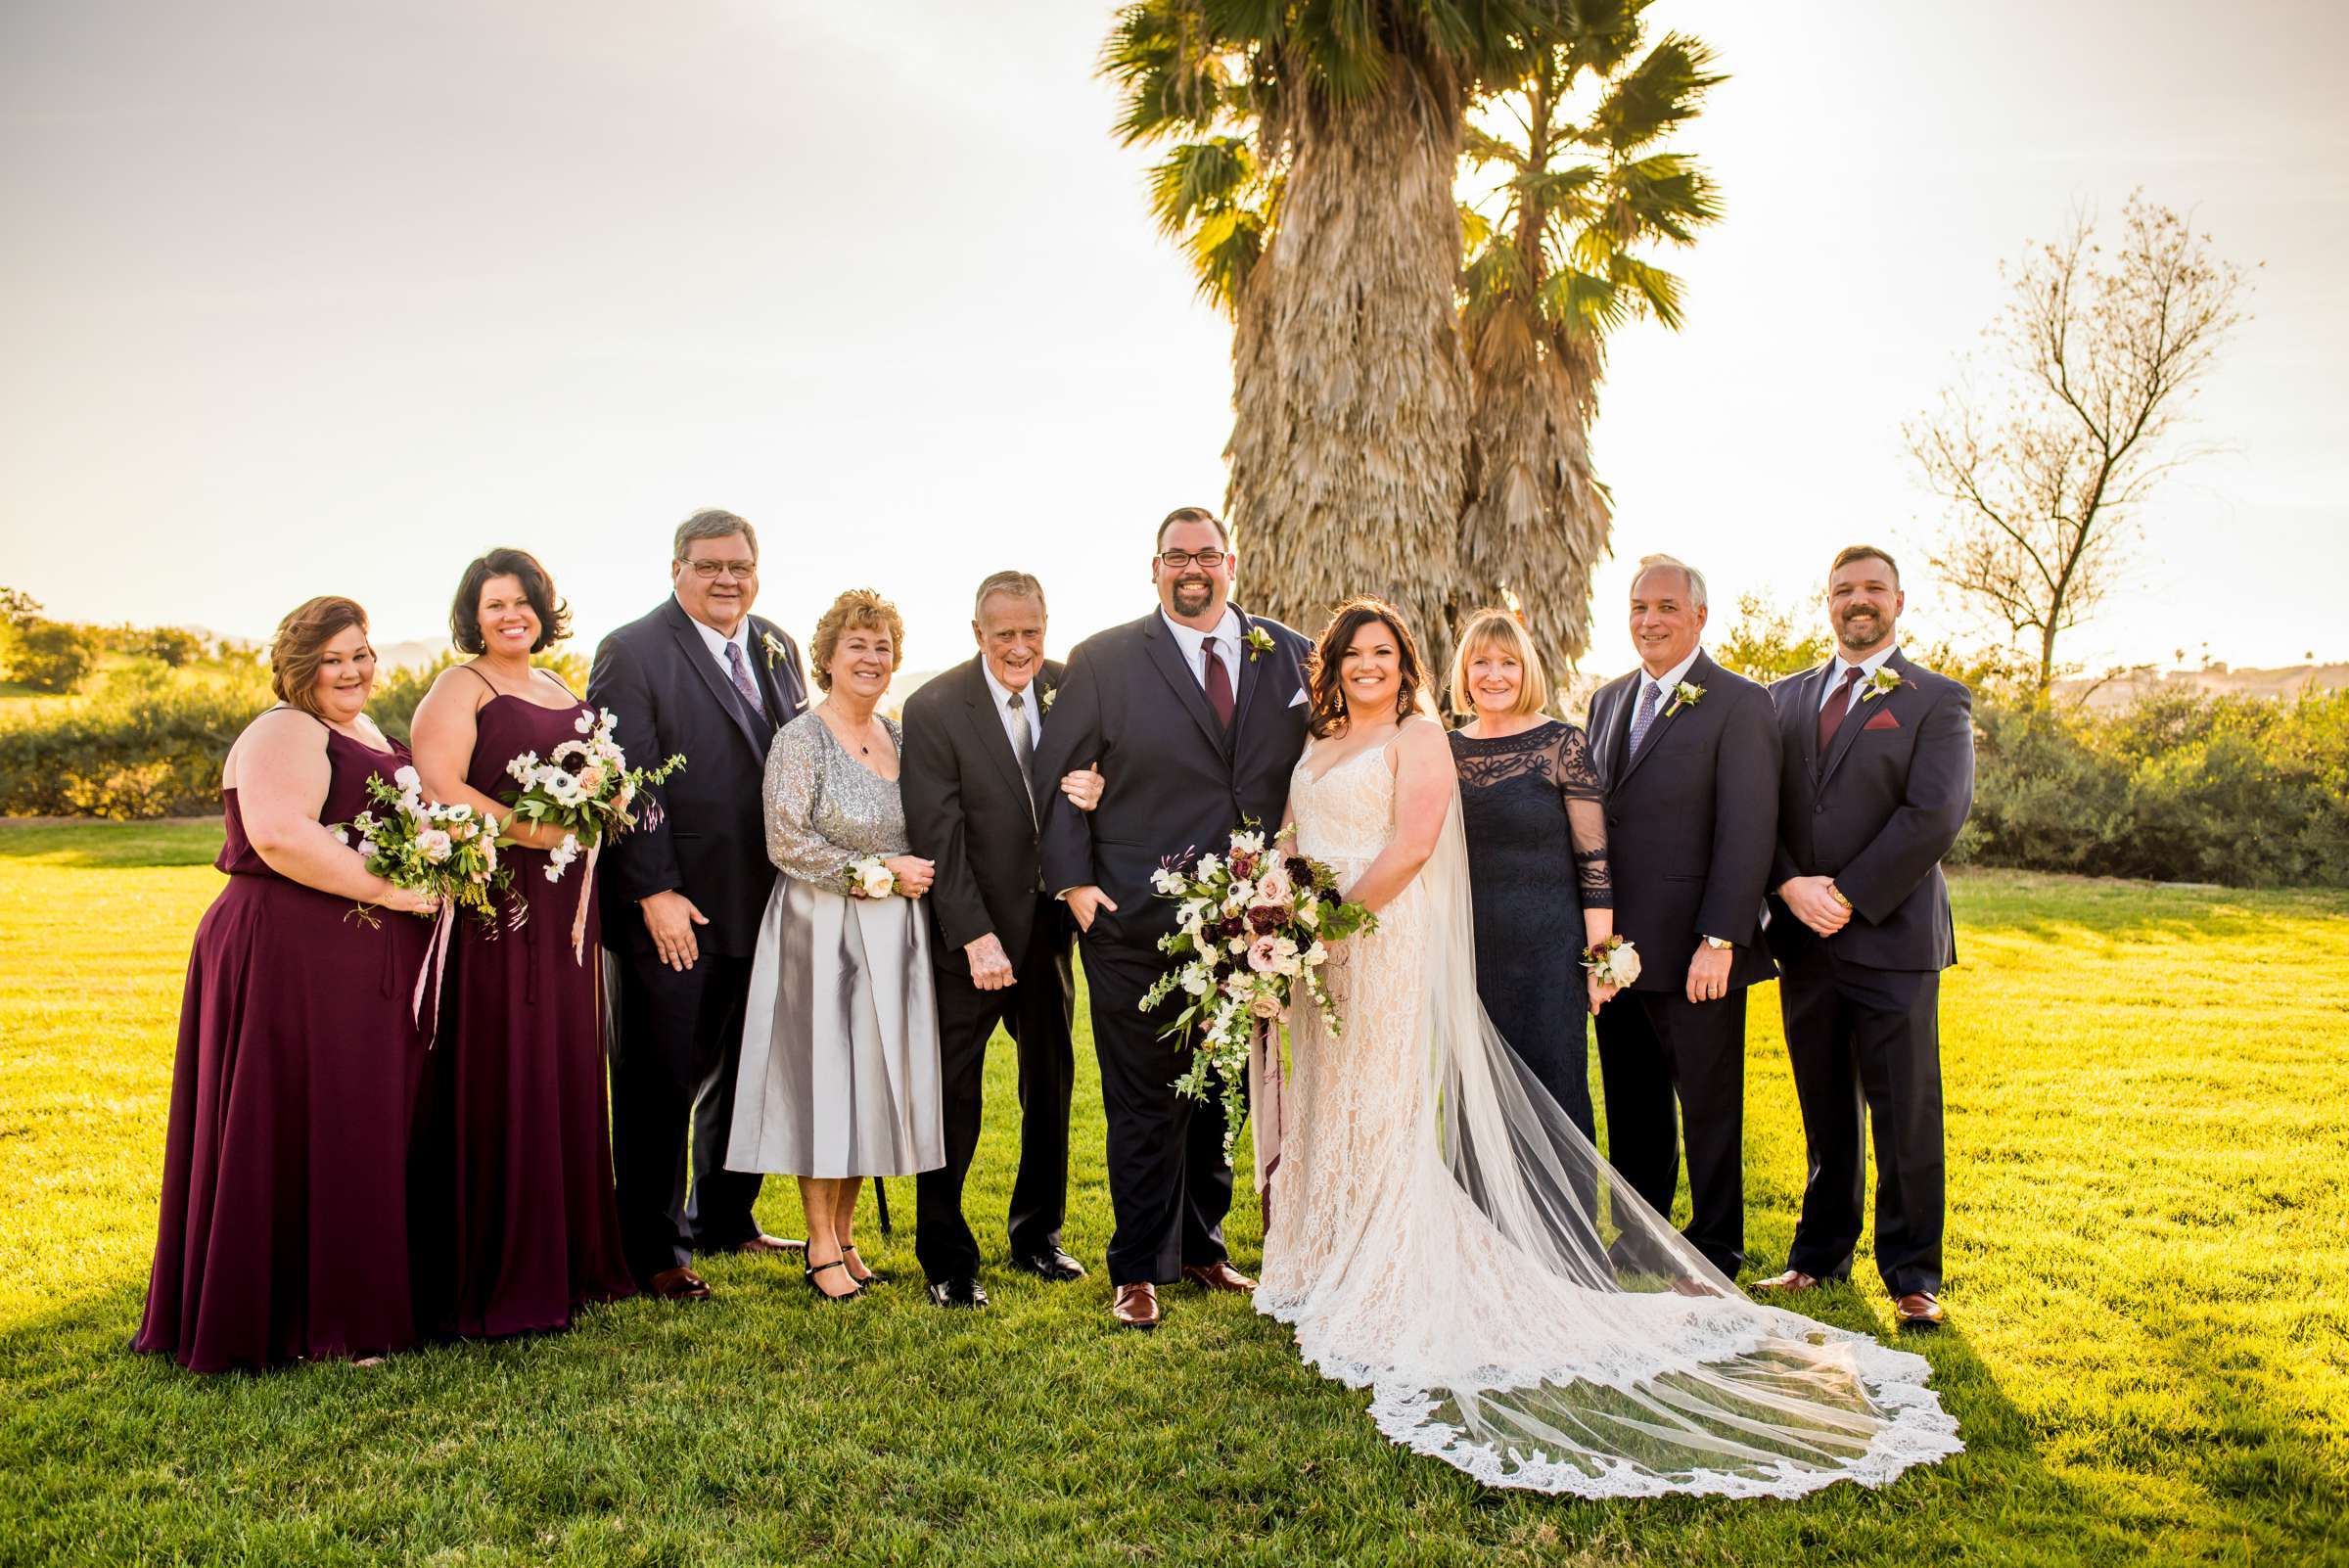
(111, 845)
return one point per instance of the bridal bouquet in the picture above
(446, 851)
(1252, 924)
(584, 787)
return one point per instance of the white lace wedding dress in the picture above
(1444, 1236)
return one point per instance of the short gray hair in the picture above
(713, 524)
(1019, 585)
(1695, 578)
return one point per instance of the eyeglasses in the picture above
(1176, 560)
(707, 570)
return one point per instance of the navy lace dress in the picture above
(1537, 830)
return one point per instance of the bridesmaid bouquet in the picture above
(1252, 925)
(448, 851)
(584, 787)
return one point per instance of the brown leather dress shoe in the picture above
(762, 1243)
(1136, 1306)
(1219, 1275)
(1792, 1282)
(1919, 1309)
(678, 1284)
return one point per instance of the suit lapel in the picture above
(1249, 659)
(987, 727)
(1167, 655)
(1856, 718)
(775, 677)
(1807, 706)
(697, 658)
(1668, 711)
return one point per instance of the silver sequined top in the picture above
(824, 809)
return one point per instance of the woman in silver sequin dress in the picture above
(840, 1062)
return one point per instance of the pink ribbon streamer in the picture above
(427, 972)
(579, 921)
(1264, 1095)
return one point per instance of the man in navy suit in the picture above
(1876, 780)
(1689, 755)
(1196, 714)
(683, 895)
(1000, 944)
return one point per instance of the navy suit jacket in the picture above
(967, 809)
(703, 832)
(1176, 779)
(1692, 822)
(1876, 812)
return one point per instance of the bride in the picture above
(1441, 1232)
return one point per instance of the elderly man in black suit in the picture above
(684, 892)
(1004, 946)
(1875, 783)
(1196, 714)
(1687, 752)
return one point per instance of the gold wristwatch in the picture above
(1717, 943)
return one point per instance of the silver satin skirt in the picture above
(840, 1067)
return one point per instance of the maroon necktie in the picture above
(1839, 703)
(1218, 684)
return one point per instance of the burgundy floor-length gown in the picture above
(284, 1225)
(516, 1154)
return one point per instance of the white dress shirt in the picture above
(716, 644)
(1842, 670)
(1193, 643)
(1014, 719)
(1666, 683)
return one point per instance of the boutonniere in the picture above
(1885, 681)
(1260, 641)
(1683, 696)
(774, 648)
(1050, 695)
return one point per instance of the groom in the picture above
(1195, 713)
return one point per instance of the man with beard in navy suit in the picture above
(1875, 784)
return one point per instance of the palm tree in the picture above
(1315, 190)
(1317, 147)
(1548, 278)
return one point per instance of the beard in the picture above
(1193, 595)
(1860, 629)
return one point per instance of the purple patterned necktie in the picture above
(743, 684)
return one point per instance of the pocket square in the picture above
(1882, 720)
(1298, 701)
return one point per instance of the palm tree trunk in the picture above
(1348, 446)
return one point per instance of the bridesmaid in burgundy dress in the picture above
(514, 1154)
(285, 1216)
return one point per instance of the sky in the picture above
(300, 299)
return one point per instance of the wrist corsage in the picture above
(869, 877)
(1612, 962)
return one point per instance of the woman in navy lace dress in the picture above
(1537, 829)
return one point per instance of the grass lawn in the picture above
(2149, 1098)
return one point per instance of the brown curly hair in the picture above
(857, 610)
(1325, 699)
(300, 647)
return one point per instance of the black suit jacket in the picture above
(1176, 779)
(1876, 812)
(703, 833)
(1692, 822)
(967, 809)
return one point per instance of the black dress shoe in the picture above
(963, 1292)
(1051, 1264)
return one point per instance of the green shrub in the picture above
(51, 655)
(147, 744)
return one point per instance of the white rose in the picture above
(1626, 964)
(877, 880)
(434, 844)
(1274, 886)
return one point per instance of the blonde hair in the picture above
(857, 610)
(1499, 630)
